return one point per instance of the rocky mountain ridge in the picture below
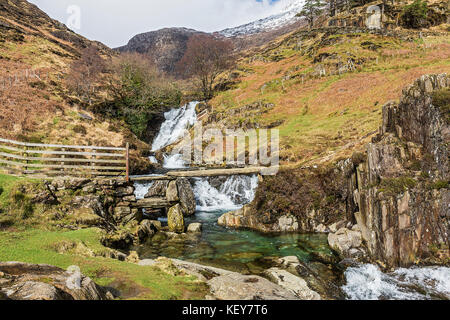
(273, 22)
(165, 46)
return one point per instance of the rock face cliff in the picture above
(390, 204)
(165, 47)
(401, 192)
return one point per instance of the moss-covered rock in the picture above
(176, 219)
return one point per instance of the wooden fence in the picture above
(63, 160)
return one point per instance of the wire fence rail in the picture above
(63, 160)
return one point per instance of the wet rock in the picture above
(176, 219)
(146, 229)
(25, 281)
(158, 189)
(324, 279)
(172, 192)
(120, 239)
(242, 218)
(186, 196)
(323, 257)
(194, 228)
(294, 284)
(124, 191)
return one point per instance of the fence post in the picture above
(25, 155)
(94, 157)
(127, 155)
(62, 157)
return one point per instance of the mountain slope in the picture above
(323, 89)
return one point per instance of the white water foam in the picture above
(174, 161)
(177, 120)
(231, 195)
(367, 282)
(141, 189)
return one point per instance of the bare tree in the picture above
(139, 91)
(205, 59)
(85, 73)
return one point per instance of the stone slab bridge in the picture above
(200, 173)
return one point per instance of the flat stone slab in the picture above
(216, 172)
(153, 203)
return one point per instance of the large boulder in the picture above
(172, 192)
(344, 240)
(194, 228)
(326, 280)
(175, 219)
(235, 286)
(294, 284)
(23, 281)
(186, 196)
(158, 189)
(147, 229)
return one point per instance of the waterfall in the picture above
(367, 282)
(230, 195)
(177, 120)
(141, 189)
(174, 161)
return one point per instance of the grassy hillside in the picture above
(33, 107)
(327, 86)
(36, 53)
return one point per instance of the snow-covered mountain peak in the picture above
(285, 17)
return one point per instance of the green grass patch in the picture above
(134, 281)
(395, 186)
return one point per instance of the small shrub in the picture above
(394, 186)
(441, 99)
(80, 129)
(440, 184)
(38, 85)
(23, 204)
(358, 158)
(1, 190)
(415, 15)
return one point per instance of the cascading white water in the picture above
(367, 282)
(177, 120)
(231, 195)
(141, 189)
(174, 161)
